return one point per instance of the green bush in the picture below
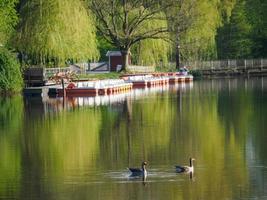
(10, 74)
(196, 73)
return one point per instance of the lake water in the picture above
(80, 149)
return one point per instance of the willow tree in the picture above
(10, 75)
(152, 51)
(198, 41)
(121, 22)
(8, 19)
(55, 30)
(180, 19)
(194, 27)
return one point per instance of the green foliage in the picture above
(10, 74)
(196, 73)
(152, 51)
(8, 19)
(244, 35)
(233, 39)
(256, 12)
(226, 7)
(104, 46)
(127, 23)
(56, 30)
(198, 41)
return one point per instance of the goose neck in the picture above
(191, 163)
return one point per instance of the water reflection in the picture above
(82, 151)
(58, 104)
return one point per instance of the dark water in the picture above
(80, 150)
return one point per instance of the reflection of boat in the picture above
(59, 103)
(181, 78)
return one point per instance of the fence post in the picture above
(245, 63)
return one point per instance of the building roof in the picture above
(113, 53)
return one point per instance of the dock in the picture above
(109, 86)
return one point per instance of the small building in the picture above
(115, 60)
(34, 76)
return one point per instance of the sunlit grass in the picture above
(111, 75)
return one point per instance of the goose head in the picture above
(143, 166)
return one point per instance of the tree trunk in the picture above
(177, 56)
(125, 59)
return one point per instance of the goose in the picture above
(139, 171)
(186, 169)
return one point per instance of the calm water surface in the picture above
(81, 149)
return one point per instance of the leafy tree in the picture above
(8, 19)
(180, 18)
(10, 74)
(198, 42)
(151, 52)
(233, 39)
(122, 22)
(55, 30)
(194, 26)
(256, 12)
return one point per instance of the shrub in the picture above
(10, 74)
(196, 73)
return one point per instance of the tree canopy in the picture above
(196, 27)
(234, 37)
(55, 30)
(8, 19)
(125, 23)
(244, 35)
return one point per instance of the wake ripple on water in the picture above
(153, 175)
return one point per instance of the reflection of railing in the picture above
(228, 64)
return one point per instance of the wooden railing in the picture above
(52, 71)
(226, 64)
(141, 69)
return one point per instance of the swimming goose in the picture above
(139, 171)
(186, 169)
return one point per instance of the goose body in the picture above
(186, 169)
(139, 171)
